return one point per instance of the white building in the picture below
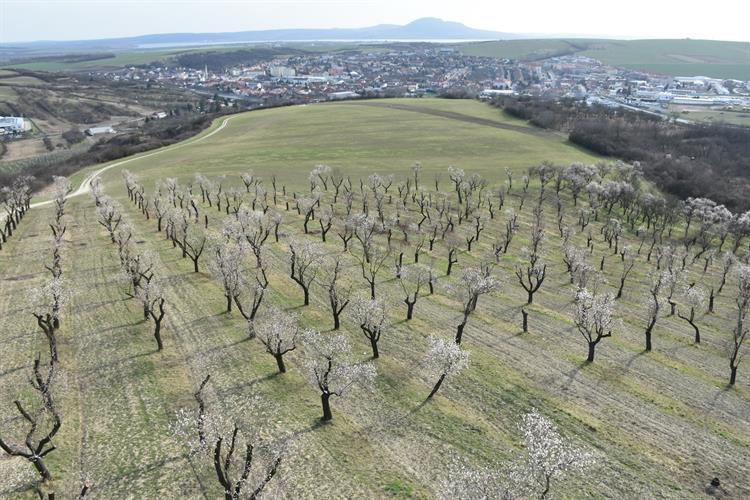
(99, 130)
(12, 125)
(342, 95)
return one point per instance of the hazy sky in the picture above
(26, 20)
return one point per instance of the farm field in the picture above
(661, 423)
(716, 59)
(126, 58)
(713, 115)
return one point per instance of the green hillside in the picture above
(672, 57)
(661, 424)
(385, 136)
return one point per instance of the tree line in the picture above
(699, 160)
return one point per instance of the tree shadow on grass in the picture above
(236, 389)
(572, 374)
(633, 358)
(115, 363)
(11, 370)
(222, 347)
(718, 395)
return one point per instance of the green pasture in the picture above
(663, 423)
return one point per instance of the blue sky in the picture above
(26, 20)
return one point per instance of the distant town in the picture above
(441, 70)
(425, 71)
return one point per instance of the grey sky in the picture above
(26, 20)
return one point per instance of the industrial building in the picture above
(12, 125)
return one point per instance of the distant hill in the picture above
(683, 57)
(428, 28)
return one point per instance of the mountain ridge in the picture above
(426, 28)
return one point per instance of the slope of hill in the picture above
(662, 423)
(717, 59)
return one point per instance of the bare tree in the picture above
(475, 281)
(43, 423)
(594, 317)
(628, 261)
(325, 219)
(444, 359)
(532, 275)
(740, 331)
(338, 293)
(304, 260)
(243, 467)
(250, 293)
(254, 227)
(225, 266)
(330, 371)
(370, 267)
(279, 332)
(412, 279)
(695, 299)
(728, 260)
(306, 206)
(191, 239)
(109, 215)
(151, 296)
(47, 303)
(371, 318)
(653, 304)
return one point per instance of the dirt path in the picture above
(452, 115)
(85, 185)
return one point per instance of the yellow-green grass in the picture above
(517, 49)
(665, 420)
(713, 115)
(362, 137)
(22, 81)
(7, 94)
(683, 57)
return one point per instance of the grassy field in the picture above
(665, 422)
(712, 115)
(362, 137)
(140, 57)
(673, 57)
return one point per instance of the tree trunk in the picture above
(525, 320)
(648, 338)
(531, 297)
(372, 289)
(592, 347)
(336, 321)
(307, 295)
(374, 345)
(733, 376)
(327, 415)
(280, 363)
(619, 291)
(157, 335)
(41, 468)
(460, 330)
(437, 386)
(229, 303)
(409, 309)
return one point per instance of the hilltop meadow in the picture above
(652, 423)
